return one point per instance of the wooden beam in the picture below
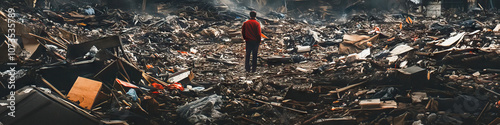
(291, 109)
(312, 118)
(52, 87)
(48, 40)
(346, 88)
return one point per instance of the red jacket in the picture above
(251, 30)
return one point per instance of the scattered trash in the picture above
(204, 110)
(180, 62)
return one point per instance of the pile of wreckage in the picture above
(95, 65)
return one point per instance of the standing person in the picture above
(252, 35)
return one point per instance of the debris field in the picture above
(161, 62)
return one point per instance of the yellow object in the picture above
(428, 75)
(81, 24)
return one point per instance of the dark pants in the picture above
(251, 48)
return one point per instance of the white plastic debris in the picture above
(363, 54)
(401, 49)
(450, 41)
(392, 59)
(91, 52)
(303, 48)
(204, 110)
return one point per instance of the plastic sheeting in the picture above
(202, 110)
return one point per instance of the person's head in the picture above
(253, 14)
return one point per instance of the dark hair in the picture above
(253, 14)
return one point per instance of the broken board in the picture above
(370, 103)
(401, 49)
(84, 91)
(450, 41)
(35, 106)
(495, 122)
(497, 30)
(179, 76)
(378, 104)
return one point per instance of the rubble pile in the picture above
(183, 64)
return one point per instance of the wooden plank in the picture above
(333, 120)
(346, 88)
(50, 41)
(52, 52)
(249, 120)
(179, 76)
(52, 87)
(482, 111)
(150, 78)
(3, 15)
(66, 35)
(495, 122)
(450, 41)
(57, 41)
(312, 118)
(291, 109)
(84, 91)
